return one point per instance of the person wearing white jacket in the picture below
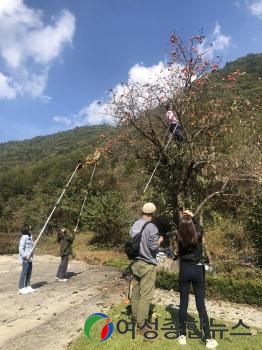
(25, 247)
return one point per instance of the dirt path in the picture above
(54, 315)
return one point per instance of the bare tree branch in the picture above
(210, 196)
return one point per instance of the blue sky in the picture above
(59, 57)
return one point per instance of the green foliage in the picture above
(109, 218)
(167, 280)
(220, 286)
(34, 172)
(246, 291)
(234, 236)
(251, 68)
(254, 225)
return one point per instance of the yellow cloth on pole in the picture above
(92, 159)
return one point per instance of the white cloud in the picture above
(256, 8)
(217, 42)
(143, 75)
(34, 83)
(140, 76)
(220, 41)
(45, 44)
(94, 113)
(6, 89)
(28, 45)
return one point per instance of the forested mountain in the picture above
(251, 69)
(42, 148)
(34, 172)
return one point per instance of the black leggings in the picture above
(196, 274)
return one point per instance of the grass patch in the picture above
(163, 316)
(118, 262)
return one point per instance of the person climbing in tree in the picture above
(173, 123)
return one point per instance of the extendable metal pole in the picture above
(157, 164)
(84, 201)
(79, 165)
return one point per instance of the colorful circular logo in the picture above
(106, 330)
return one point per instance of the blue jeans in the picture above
(25, 274)
(195, 274)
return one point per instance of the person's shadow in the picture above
(70, 274)
(39, 284)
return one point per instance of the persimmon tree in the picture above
(219, 127)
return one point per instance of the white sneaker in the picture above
(24, 290)
(30, 289)
(211, 343)
(56, 278)
(182, 340)
(62, 279)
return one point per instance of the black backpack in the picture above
(132, 245)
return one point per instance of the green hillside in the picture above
(76, 142)
(34, 172)
(250, 83)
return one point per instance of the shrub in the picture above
(9, 243)
(254, 225)
(248, 291)
(167, 280)
(107, 216)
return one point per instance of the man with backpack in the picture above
(143, 267)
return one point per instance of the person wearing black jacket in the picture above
(190, 254)
(65, 239)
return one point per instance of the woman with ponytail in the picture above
(192, 270)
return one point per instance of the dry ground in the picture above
(52, 316)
